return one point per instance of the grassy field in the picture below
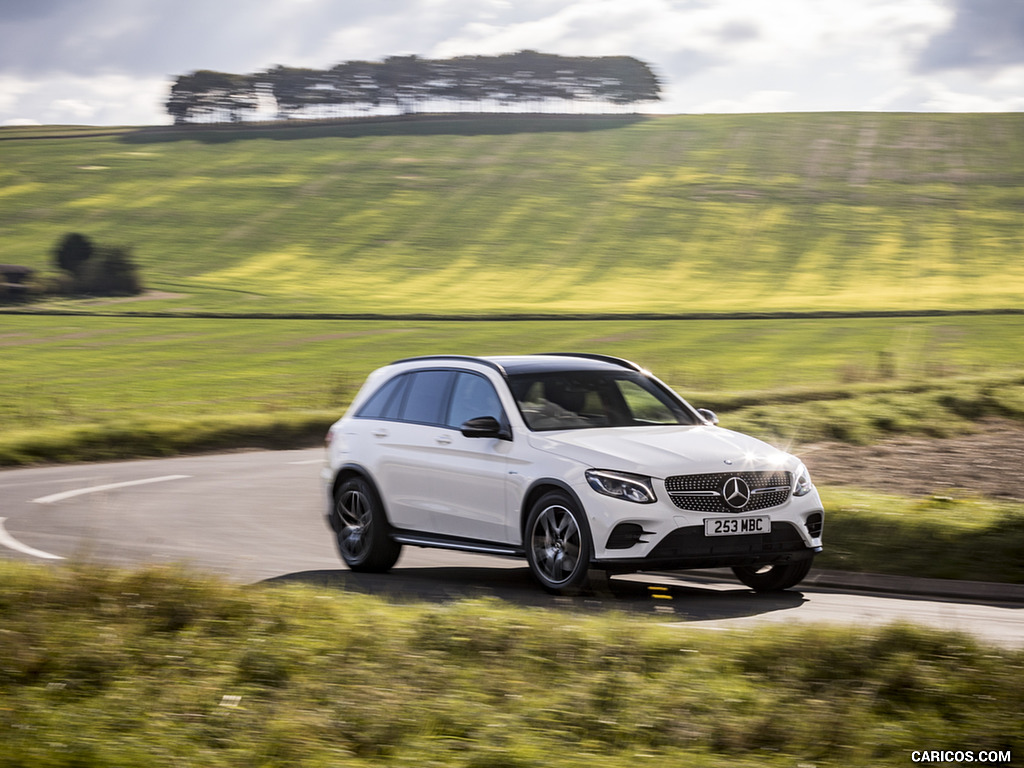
(480, 215)
(105, 669)
(179, 381)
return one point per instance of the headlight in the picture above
(803, 482)
(622, 486)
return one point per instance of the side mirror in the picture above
(707, 415)
(484, 426)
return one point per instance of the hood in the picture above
(664, 451)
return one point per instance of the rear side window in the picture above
(386, 402)
(427, 398)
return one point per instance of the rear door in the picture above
(408, 448)
(472, 472)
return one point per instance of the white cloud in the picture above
(105, 100)
(758, 101)
(81, 110)
(11, 90)
(740, 31)
(584, 27)
(956, 94)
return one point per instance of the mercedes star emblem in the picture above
(736, 493)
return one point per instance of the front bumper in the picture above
(630, 537)
(688, 547)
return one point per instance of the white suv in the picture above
(575, 462)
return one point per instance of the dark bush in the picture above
(72, 252)
(110, 272)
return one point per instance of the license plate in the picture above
(737, 526)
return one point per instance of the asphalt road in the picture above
(258, 516)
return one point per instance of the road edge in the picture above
(912, 585)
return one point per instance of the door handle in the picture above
(444, 440)
(380, 433)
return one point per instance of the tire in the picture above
(557, 544)
(363, 535)
(773, 578)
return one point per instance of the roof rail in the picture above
(619, 361)
(463, 358)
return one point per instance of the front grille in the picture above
(703, 493)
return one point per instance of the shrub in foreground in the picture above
(108, 668)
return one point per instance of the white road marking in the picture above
(310, 461)
(53, 498)
(12, 543)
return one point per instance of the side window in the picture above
(386, 401)
(427, 397)
(473, 396)
(644, 406)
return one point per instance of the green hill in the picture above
(843, 211)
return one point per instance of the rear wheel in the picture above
(363, 538)
(773, 578)
(558, 544)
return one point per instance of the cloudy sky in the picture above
(111, 62)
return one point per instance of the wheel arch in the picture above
(347, 472)
(537, 489)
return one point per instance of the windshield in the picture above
(586, 399)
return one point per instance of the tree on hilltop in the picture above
(212, 95)
(407, 84)
(298, 88)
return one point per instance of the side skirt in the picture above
(437, 541)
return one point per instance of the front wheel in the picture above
(773, 578)
(558, 544)
(363, 538)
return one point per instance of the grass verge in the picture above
(163, 436)
(109, 668)
(938, 537)
(863, 415)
